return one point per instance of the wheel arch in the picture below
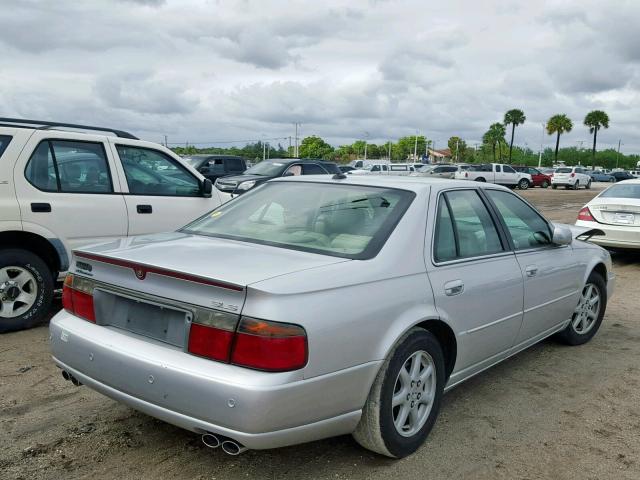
(51, 251)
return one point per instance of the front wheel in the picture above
(523, 184)
(26, 289)
(404, 401)
(612, 180)
(555, 187)
(588, 315)
(588, 185)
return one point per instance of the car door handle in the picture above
(144, 208)
(454, 287)
(41, 207)
(531, 271)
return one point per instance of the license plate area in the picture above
(624, 218)
(165, 323)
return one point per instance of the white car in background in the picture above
(497, 173)
(615, 211)
(571, 177)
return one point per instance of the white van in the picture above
(363, 164)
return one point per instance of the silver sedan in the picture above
(315, 307)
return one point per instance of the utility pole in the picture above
(415, 148)
(264, 151)
(540, 153)
(289, 151)
(296, 139)
(457, 147)
(617, 156)
(165, 141)
(366, 137)
(389, 150)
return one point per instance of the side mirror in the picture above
(561, 235)
(206, 188)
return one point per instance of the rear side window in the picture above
(508, 169)
(4, 143)
(498, 169)
(69, 166)
(464, 227)
(150, 172)
(235, 165)
(312, 169)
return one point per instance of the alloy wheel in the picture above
(18, 291)
(586, 313)
(413, 393)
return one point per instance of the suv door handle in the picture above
(531, 270)
(41, 207)
(454, 287)
(144, 208)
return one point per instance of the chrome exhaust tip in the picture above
(211, 440)
(231, 447)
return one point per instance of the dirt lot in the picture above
(550, 412)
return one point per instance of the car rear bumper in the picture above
(614, 236)
(258, 409)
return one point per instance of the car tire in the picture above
(612, 180)
(523, 184)
(545, 184)
(377, 429)
(584, 326)
(27, 289)
(555, 187)
(588, 187)
(480, 179)
(576, 185)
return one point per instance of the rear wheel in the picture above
(576, 185)
(523, 184)
(588, 185)
(612, 180)
(26, 289)
(480, 179)
(588, 315)
(404, 401)
(554, 187)
(545, 184)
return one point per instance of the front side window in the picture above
(463, 215)
(526, 227)
(339, 220)
(234, 165)
(4, 143)
(68, 166)
(150, 172)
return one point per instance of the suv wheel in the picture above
(405, 398)
(26, 289)
(576, 185)
(523, 184)
(588, 185)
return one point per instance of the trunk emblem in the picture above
(140, 273)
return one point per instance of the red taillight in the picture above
(585, 214)
(466, 174)
(210, 342)
(269, 346)
(572, 174)
(77, 297)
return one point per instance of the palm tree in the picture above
(596, 120)
(514, 117)
(493, 136)
(559, 124)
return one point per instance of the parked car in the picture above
(62, 189)
(495, 173)
(615, 211)
(385, 169)
(635, 173)
(266, 305)
(548, 171)
(234, 185)
(620, 176)
(216, 166)
(600, 176)
(363, 164)
(570, 177)
(439, 171)
(538, 178)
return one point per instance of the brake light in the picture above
(466, 174)
(77, 297)
(572, 174)
(585, 214)
(258, 344)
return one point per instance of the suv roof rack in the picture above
(45, 125)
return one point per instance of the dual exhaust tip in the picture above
(228, 446)
(211, 440)
(70, 378)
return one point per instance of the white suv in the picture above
(571, 177)
(62, 189)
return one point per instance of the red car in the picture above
(539, 178)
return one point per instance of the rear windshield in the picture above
(269, 169)
(345, 220)
(4, 143)
(563, 170)
(631, 190)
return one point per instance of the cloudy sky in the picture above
(226, 70)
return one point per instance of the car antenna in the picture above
(339, 176)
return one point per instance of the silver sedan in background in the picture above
(314, 307)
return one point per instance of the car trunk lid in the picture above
(616, 211)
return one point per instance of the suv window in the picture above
(533, 171)
(70, 167)
(312, 169)
(4, 143)
(234, 165)
(498, 168)
(151, 172)
(526, 227)
(464, 220)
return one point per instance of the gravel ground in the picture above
(550, 412)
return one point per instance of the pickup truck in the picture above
(496, 173)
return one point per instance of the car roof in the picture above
(401, 182)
